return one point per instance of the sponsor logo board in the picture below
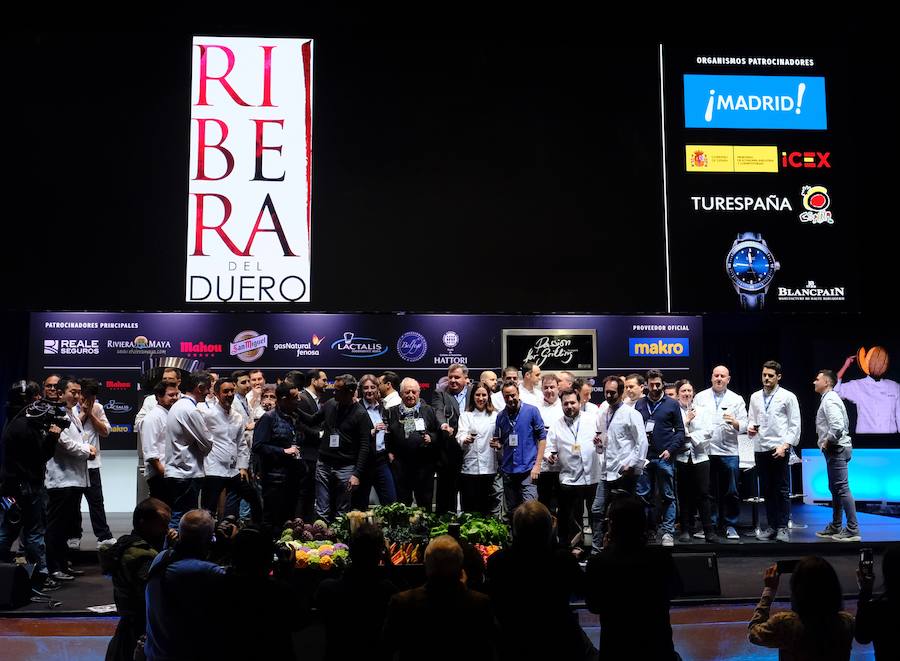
(675, 347)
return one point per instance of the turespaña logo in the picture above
(805, 159)
(451, 341)
(200, 349)
(674, 347)
(351, 346)
(117, 385)
(816, 201)
(116, 407)
(72, 347)
(302, 348)
(139, 345)
(249, 345)
(754, 102)
(120, 429)
(741, 203)
(412, 346)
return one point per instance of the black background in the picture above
(481, 173)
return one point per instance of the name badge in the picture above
(513, 440)
(650, 424)
(763, 419)
(334, 441)
(420, 424)
(576, 449)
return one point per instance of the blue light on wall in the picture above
(874, 475)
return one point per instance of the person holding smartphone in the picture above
(774, 426)
(877, 617)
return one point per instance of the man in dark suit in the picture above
(311, 398)
(411, 439)
(447, 405)
(442, 619)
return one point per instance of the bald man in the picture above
(728, 414)
(489, 378)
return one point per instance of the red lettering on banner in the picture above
(267, 204)
(202, 147)
(260, 123)
(204, 76)
(198, 236)
(267, 76)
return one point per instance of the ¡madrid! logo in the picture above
(816, 201)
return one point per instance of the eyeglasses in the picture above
(51, 386)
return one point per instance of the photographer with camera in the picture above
(66, 480)
(29, 441)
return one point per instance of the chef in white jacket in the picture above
(692, 465)
(66, 480)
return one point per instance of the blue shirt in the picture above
(668, 425)
(529, 426)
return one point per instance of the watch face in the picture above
(751, 266)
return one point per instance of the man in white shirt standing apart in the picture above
(153, 439)
(774, 426)
(728, 415)
(188, 441)
(833, 434)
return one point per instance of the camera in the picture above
(867, 563)
(44, 413)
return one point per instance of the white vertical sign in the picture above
(249, 184)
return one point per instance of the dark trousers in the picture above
(548, 490)
(94, 495)
(414, 480)
(692, 481)
(279, 496)
(305, 507)
(32, 526)
(476, 493)
(332, 490)
(60, 505)
(724, 478)
(606, 492)
(185, 495)
(380, 478)
(234, 486)
(572, 499)
(447, 488)
(157, 487)
(773, 485)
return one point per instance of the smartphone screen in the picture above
(787, 566)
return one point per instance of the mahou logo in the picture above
(117, 385)
(200, 349)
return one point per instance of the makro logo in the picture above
(754, 102)
(120, 429)
(200, 349)
(116, 407)
(412, 346)
(117, 385)
(805, 159)
(676, 347)
(72, 347)
(352, 346)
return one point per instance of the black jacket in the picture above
(411, 446)
(26, 450)
(352, 425)
(309, 432)
(446, 409)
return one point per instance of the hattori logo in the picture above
(451, 341)
(351, 346)
(116, 407)
(72, 347)
(676, 347)
(816, 202)
(249, 346)
(412, 346)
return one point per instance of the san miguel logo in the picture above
(200, 349)
(249, 345)
(249, 188)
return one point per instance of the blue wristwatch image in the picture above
(751, 267)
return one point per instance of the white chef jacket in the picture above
(146, 407)
(579, 461)
(230, 451)
(479, 458)
(550, 413)
(153, 438)
(779, 422)
(832, 422)
(188, 440)
(68, 465)
(696, 436)
(91, 436)
(624, 441)
(724, 438)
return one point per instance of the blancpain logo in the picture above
(811, 293)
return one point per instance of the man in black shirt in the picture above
(447, 404)
(343, 451)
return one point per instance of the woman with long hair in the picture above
(815, 628)
(479, 468)
(378, 472)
